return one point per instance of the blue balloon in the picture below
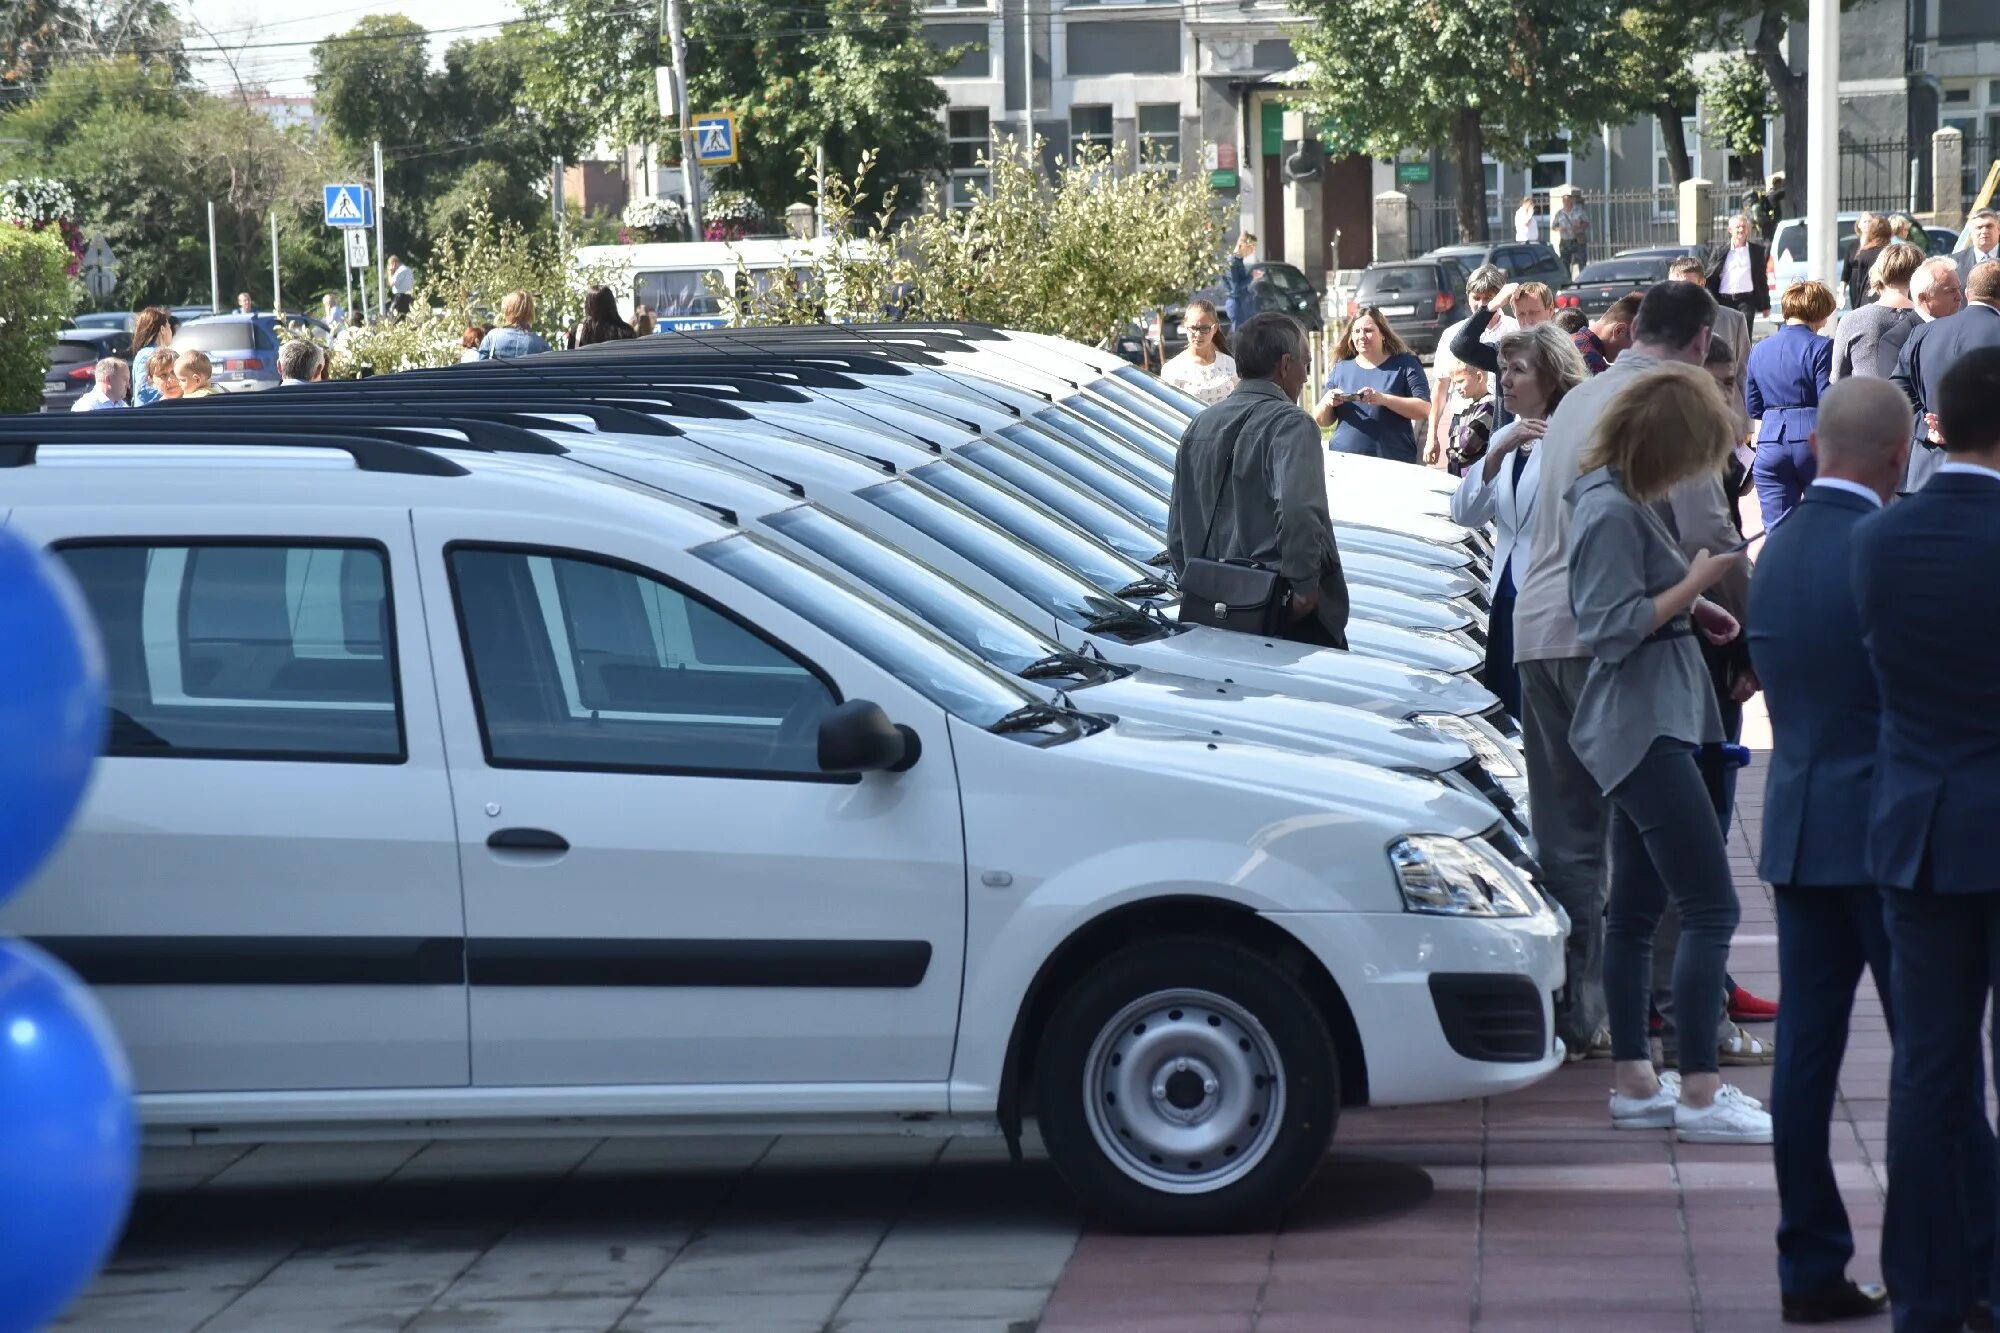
(51, 706)
(68, 1137)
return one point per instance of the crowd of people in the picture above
(1628, 628)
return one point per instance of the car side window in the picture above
(578, 663)
(245, 650)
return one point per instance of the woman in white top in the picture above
(1203, 369)
(1527, 227)
(1537, 367)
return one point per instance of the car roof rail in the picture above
(371, 453)
(485, 436)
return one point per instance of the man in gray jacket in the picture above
(1570, 814)
(1250, 482)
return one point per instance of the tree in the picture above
(848, 75)
(1485, 76)
(1736, 100)
(33, 267)
(36, 35)
(1656, 38)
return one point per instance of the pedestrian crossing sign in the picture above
(348, 205)
(715, 139)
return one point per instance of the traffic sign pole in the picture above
(381, 281)
(277, 305)
(690, 168)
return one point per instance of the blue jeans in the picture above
(1826, 936)
(1664, 842)
(1938, 1224)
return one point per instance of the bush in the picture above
(34, 274)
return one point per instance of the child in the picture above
(1471, 418)
(195, 370)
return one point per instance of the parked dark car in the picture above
(73, 364)
(1604, 282)
(1667, 252)
(1420, 298)
(107, 319)
(1520, 261)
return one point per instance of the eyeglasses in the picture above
(1200, 328)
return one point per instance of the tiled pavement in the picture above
(1523, 1213)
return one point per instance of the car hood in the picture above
(1266, 717)
(1356, 679)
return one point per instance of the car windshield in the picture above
(1113, 485)
(1408, 278)
(1147, 442)
(1037, 577)
(221, 335)
(951, 608)
(1181, 405)
(1109, 525)
(1115, 391)
(942, 672)
(1625, 270)
(1100, 443)
(1098, 563)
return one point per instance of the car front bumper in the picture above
(1446, 1007)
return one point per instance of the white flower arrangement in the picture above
(733, 206)
(35, 202)
(654, 214)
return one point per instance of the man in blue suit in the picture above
(1930, 618)
(1805, 642)
(1934, 348)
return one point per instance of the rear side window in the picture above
(677, 295)
(72, 353)
(1637, 271)
(236, 335)
(579, 664)
(1405, 280)
(1792, 241)
(245, 651)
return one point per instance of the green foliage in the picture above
(37, 35)
(1079, 257)
(33, 266)
(848, 75)
(1736, 97)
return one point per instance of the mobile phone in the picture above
(1741, 546)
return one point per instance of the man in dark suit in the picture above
(1930, 619)
(1735, 272)
(1805, 643)
(1934, 348)
(1982, 245)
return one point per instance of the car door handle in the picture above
(527, 840)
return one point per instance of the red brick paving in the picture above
(1520, 1214)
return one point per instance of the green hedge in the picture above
(34, 298)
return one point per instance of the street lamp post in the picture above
(1822, 201)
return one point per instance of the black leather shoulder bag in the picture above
(1242, 595)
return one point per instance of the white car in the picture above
(460, 792)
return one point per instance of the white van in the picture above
(464, 793)
(680, 280)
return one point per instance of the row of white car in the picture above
(769, 730)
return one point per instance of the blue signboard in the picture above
(348, 205)
(715, 139)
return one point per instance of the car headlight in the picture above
(1449, 877)
(1493, 751)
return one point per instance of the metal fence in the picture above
(1620, 220)
(1896, 174)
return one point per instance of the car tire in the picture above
(1187, 1085)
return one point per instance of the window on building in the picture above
(1743, 171)
(1666, 202)
(1160, 137)
(1957, 96)
(969, 133)
(1089, 126)
(1552, 165)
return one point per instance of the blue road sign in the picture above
(348, 205)
(715, 139)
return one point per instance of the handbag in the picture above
(1242, 595)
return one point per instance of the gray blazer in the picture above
(1252, 464)
(1640, 687)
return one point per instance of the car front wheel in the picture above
(1187, 1085)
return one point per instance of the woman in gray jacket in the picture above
(1646, 705)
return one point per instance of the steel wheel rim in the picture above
(1184, 1091)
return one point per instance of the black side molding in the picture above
(260, 960)
(883, 964)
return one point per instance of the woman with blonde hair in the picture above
(515, 334)
(1857, 343)
(1871, 237)
(1537, 367)
(1782, 384)
(1645, 707)
(1203, 369)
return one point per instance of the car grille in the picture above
(1497, 1019)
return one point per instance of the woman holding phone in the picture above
(1645, 707)
(1377, 393)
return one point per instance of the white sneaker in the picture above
(1734, 1117)
(1654, 1112)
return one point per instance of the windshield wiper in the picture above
(1146, 588)
(1059, 665)
(1033, 717)
(1122, 621)
(1163, 560)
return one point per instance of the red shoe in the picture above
(1747, 1008)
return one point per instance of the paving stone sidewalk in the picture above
(1523, 1213)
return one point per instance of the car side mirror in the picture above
(858, 737)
